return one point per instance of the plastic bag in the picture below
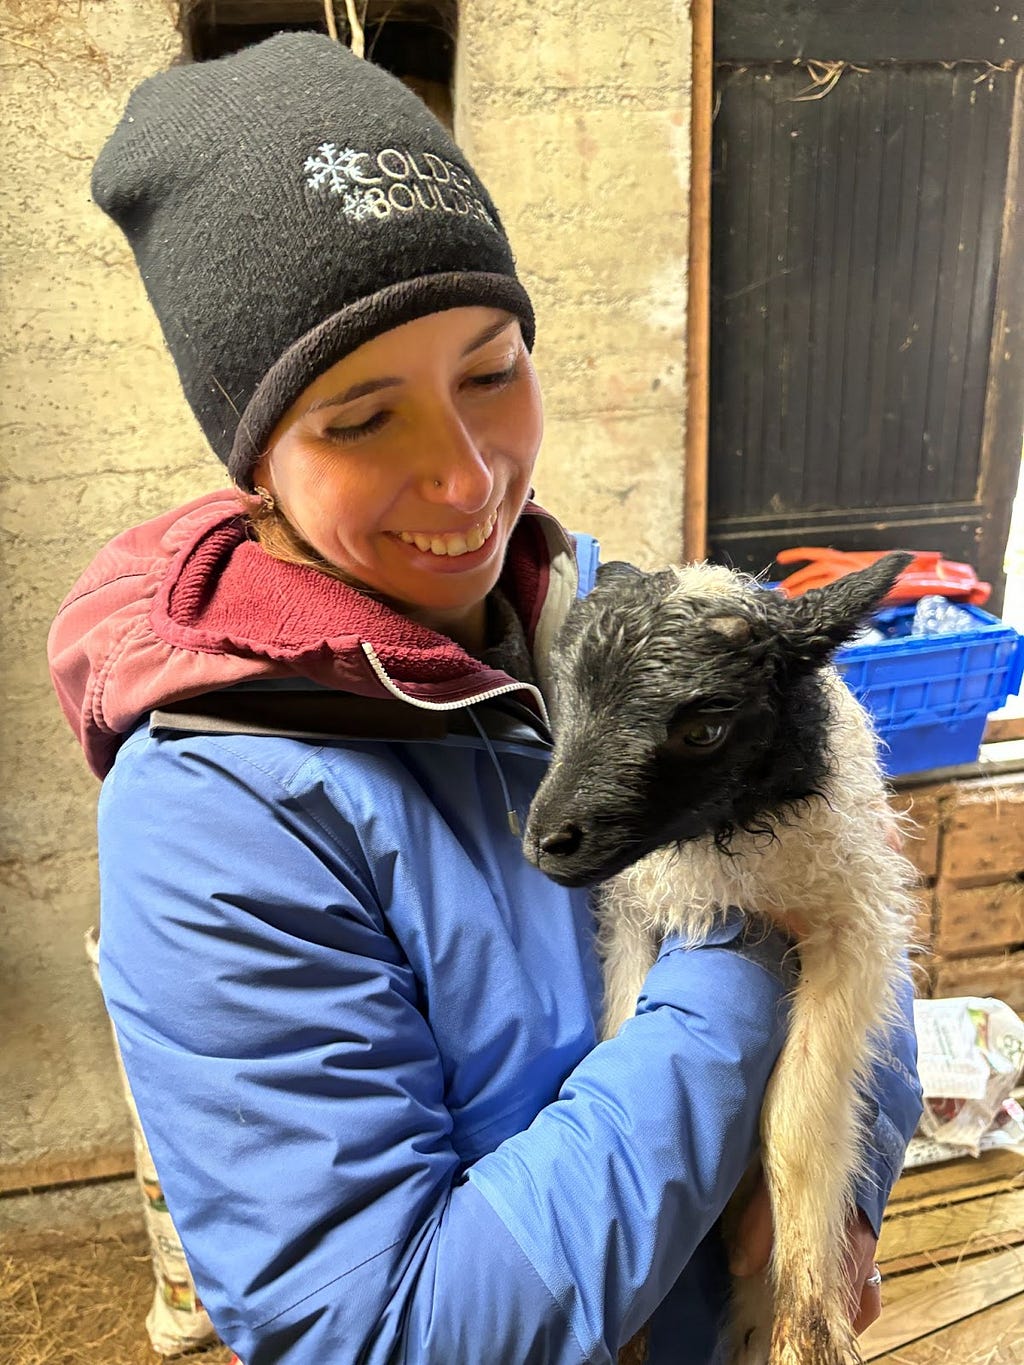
(970, 1056)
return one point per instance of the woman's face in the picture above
(407, 463)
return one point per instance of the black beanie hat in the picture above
(286, 204)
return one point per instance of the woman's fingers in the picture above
(752, 1248)
(864, 1280)
(753, 1244)
(870, 1302)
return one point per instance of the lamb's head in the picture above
(687, 704)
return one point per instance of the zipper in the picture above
(396, 691)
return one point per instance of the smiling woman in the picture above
(404, 467)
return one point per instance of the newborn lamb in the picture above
(707, 755)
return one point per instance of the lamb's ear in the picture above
(616, 570)
(818, 623)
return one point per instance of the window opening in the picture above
(413, 39)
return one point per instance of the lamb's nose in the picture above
(563, 842)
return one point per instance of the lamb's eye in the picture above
(701, 734)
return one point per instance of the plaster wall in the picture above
(577, 116)
(94, 436)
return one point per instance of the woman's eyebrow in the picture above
(488, 334)
(356, 391)
(389, 382)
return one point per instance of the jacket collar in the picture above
(187, 604)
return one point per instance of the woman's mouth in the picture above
(451, 545)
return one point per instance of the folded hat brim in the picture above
(343, 332)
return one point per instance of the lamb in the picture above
(707, 755)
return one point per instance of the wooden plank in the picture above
(992, 1220)
(698, 275)
(67, 1168)
(923, 928)
(984, 834)
(980, 919)
(865, 31)
(1001, 728)
(276, 12)
(1000, 975)
(921, 974)
(993, 1337)
(949, 1182)
(930, 1299)
(979, 1248)
(923, 807)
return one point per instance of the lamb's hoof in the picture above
(750, 1346)
(635, 1350)
(809, 1341)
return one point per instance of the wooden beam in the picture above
(984, 836)
(67, 1168)
(698, 308)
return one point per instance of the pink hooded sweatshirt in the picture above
(187, 604)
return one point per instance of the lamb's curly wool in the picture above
(708, 754)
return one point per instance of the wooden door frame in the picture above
(698, 294)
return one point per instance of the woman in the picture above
(359, 1027)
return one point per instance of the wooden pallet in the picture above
(952, 1260)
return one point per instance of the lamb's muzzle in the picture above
(703, 743)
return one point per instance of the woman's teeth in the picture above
(454, 544)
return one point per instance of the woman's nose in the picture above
(456, 471)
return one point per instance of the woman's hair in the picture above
(279, 538)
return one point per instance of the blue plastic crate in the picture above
(930, 694)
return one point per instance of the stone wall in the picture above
(577, 117)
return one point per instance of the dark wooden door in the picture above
(867, 290)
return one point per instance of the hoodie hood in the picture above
(187, 603)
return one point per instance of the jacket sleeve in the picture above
(294, 1099)
(893, 1107)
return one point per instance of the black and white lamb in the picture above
(708, 755)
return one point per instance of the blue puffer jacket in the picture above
(360, 1032)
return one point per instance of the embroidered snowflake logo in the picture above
(332, 169)
(337, 171)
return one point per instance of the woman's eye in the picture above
(497, 379)
(354, 433)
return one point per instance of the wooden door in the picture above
(867, 279)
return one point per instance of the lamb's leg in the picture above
(751, 1315)
(628, 949)
(812, 1139)
(752, 1306)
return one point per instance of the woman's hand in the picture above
(753, 1246)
